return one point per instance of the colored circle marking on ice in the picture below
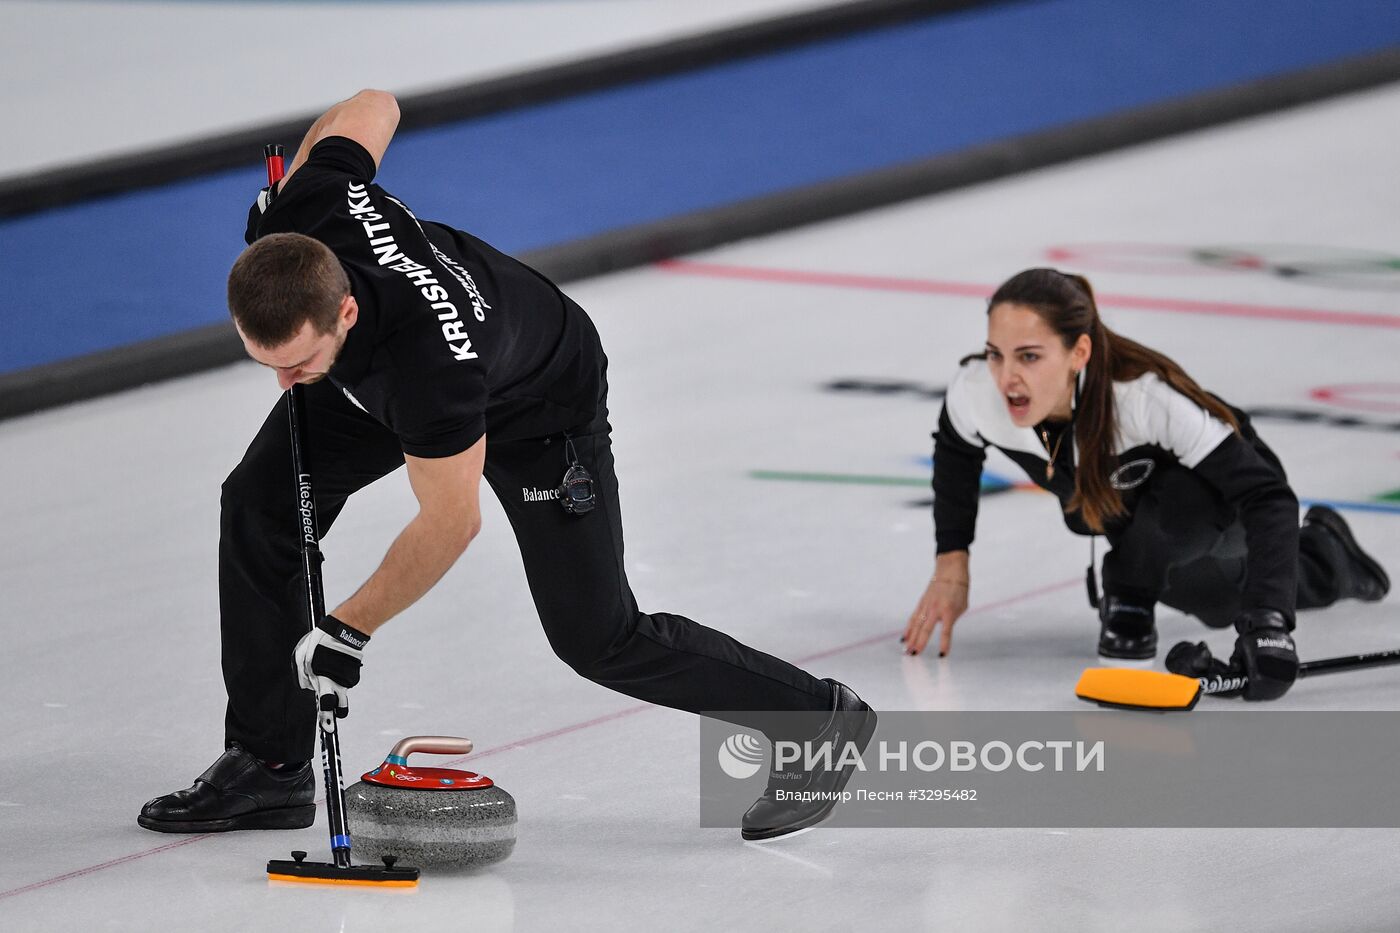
(1341, 267)
(1381, 397)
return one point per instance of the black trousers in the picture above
(574, 565)
(1185, 548)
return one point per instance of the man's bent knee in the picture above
(592, 649)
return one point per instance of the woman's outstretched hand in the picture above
(943, 602)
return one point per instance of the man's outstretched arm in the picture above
(369, 118)
(449, 516)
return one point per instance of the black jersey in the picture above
(1156, 425)
(455, 340)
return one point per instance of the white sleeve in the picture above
(960, 407)
(1172, 421)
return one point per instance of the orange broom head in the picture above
(362, 882)
(1129, 688)
(301, 871)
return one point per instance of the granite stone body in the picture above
(458, 828)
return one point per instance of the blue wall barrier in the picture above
(127, 268)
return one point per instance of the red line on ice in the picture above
(974, 290)
(539, 737)
(98, 867)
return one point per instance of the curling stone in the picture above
(430, 816)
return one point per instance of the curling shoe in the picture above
(1363, 578)
(237, 792)
(1128, 630)
(809, 796)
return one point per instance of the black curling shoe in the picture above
(1363, 578)
(237, 792)
(851, 720)
(1128, 630)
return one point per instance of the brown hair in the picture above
(1066, 303)
(282, 281)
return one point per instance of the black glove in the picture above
(1196, 661)
(1265, 652)
(255, 213)
(328, 659)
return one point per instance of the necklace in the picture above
(1050, 464)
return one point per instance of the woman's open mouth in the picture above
(1018, 404)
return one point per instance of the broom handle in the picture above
(1351, 662)
(309, 530)
(273, 155)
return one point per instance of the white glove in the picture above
(327, 660)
